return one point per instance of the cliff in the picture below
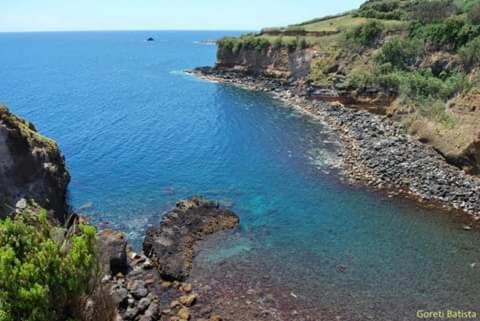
(416, 62)
(32, 168)
(273, 62)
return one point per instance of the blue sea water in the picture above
(139, 134)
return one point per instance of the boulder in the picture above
(112, 247)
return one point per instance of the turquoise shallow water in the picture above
(138, 134)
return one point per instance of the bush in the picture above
(470, 53)
(302, 43)
(400, 53)
(361, 77)
(290, 43)
(396, 14)
(436, 110)
(422, 84)
(474, 14)
(434, 11)
(40, 273)
(366, 34)
(388, 10)
(277, 43)
(450, 34)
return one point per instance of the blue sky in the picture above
(57, 15)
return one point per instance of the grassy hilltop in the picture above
(424, 53)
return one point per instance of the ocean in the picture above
(138, 134)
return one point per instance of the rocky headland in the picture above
(375, 149)
(32, 168)
(129, 286)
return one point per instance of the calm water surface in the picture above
(138, 134)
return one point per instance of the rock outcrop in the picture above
(170, 245)
(148, 289)
(31, 168)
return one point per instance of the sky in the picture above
(77, 15)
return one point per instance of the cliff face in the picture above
(31, 167)
(274, 62)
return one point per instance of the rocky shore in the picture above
(153, 288)
(375, 150)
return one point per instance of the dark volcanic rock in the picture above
(112, 247)
(170, 245)
(31, 167)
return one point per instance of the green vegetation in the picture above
(449, 34)
(422, 51)
(27, 130)
(470, 53)
(387, 9)
(422, 84)
(260, 44)
(434, 11)
(366, 34)
(42, 272)
(400, 53)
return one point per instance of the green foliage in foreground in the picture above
(41, 273)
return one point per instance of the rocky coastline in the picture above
(129, 286)
(375, 150)
(151, 286)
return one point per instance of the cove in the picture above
(138, 134)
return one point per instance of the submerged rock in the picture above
(170, 245)
(31, 168)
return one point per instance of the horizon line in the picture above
(128, 30)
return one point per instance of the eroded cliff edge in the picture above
(32, 168)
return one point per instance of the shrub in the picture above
(436, 110)
(302, 43)
(361, 77)
(389, 10)
(400, 53)
(396, 14)
(277, 43)
(470, 53)
(41, 274)
(474, 14)
(450, 34)
(290, 43)
(423, 84)
(464, 6)
(366, 34)
(434, 11)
